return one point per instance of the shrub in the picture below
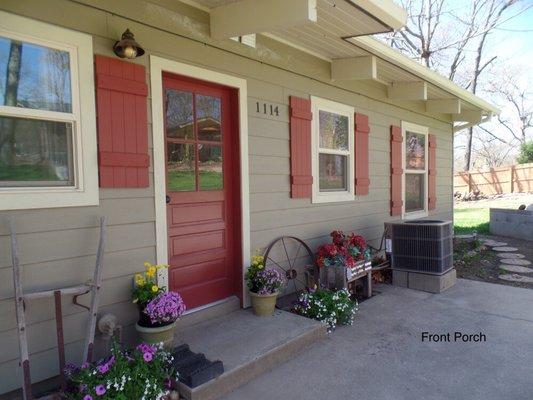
(526, 153)
(332, 308)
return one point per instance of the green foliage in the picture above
(526, 153)
(143, 372)
(327, 306)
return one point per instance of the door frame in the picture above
(158, 65)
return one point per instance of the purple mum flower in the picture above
(165, 308)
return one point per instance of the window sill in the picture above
(415, 215)
(333, 197)
(46, 197)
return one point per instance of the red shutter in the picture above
(362, 129)
(121, 94)
(301, 174)
(432, 172)
(396, 171)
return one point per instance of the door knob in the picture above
(167, 199)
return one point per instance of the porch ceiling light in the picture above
(127, 47)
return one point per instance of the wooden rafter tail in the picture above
(95, 291)
(21, 320)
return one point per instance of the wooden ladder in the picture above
(92, 286)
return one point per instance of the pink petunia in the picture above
(100, 390)
(103, 368)
(147, 357)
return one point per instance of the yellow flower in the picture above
(139, 280)
(147, 265)
(151, 271)
(257, 260)
(155, 288)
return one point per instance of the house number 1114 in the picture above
(267, 109)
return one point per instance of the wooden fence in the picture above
(509, 179)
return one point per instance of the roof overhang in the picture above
(353, 17)
(337, 31)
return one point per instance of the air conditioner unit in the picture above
(423, 246)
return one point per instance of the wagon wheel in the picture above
(291, 256)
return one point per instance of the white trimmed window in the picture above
(332, 147)
(48, 152)
(415, 167)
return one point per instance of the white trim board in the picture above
(157, 66)
(320, 104)
(408, 126)
(85, 191)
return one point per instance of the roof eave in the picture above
(385, 11)
(388, 54)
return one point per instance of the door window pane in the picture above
(179, 114)
(333, 131)
(332, 171)
(210, 167)
(414, 192)
(415, 151)
(33, 76)
(35, 153)
(208, 118)
(180, 167)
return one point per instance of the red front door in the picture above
(202, 182)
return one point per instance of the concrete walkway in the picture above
(383, 357)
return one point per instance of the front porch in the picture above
(382, 355)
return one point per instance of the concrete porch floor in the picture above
(247, 345)
(382, 355)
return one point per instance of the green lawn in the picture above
(184, 180)
(27, 173)
(466, 220)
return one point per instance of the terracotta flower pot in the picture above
(155, 335)
(263, 304)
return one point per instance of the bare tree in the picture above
(490, 153)
(517, 118)
(7, 137)
(452, 41)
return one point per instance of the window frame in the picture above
(84, 191)
(320, 104)
(423, 130)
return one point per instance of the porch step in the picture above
(211, 311)
(247, 346)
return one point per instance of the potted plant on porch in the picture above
(264, 285)
(158, 309)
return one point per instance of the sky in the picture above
(514, 40)
(512, 43)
